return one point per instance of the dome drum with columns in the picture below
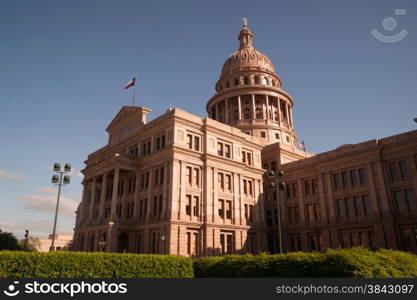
(249, 95)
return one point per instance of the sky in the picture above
(63, 66)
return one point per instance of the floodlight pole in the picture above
(56, 211)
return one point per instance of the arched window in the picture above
(246, 80)
(236, 81)
(228, 84)
(236, 114)
(266, 81)
(273, 82)
(276, 115)
(247, 114)
(256, 79)
(258, 113)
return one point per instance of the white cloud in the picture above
(38, 228)
(11, 176)
(45, 201)
(76, 172)
(47, 190)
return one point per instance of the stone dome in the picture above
(247, 57)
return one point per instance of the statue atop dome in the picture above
(245, 22)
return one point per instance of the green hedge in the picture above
(355, 262)
(16, 264)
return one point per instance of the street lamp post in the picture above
(59, 180)
(277, 186)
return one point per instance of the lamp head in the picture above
(66, 179)
(67, 168)
(57, 167)
(55, 179)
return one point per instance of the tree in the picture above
(33, 244)
(8, 241)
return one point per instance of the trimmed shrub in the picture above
(355, 262)
(17, 264)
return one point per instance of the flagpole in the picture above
(134, 89)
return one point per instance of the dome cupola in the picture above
(249, 95)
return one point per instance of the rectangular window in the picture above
(336, 181)
(228, 182)
(221, 208)
(345, 180)
(294, 190)
(196, 210)
(188, 205)
(399, 201)
(227, 151)
(161, 175)
(341, 208)
(314, 186)
(403, 169)
(189, 141)
(317, 211)
(358, 206)
(196, 143)
(227, 242)
(188, 175)
(393, 171)
(310, 213)
(362, 176)
(353, 180)
(196, 177)
(220, 180)
(229, 210)
(220, 149)
(296, 215)
(409, 195)
(307, 189)
(366, 205)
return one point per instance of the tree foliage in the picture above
(8, 241)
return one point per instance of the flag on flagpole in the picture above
(302, 145)
(130, 83)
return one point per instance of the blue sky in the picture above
(63, 66)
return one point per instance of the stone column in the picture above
(253, 107)
(267, 107)
(279, 112)
(385, 209)
(136, 198)
(237, 201)
(149, 196)
(183, 183)
(290, 112)
(301, 202)
(215, 199)
(286, 111)
(164, 192)
(103, 195)
(83, 204)
(93, 197)
(114, 194)
(239, 105)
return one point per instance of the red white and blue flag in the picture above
(130, 83)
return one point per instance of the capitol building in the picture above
(195, 186)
